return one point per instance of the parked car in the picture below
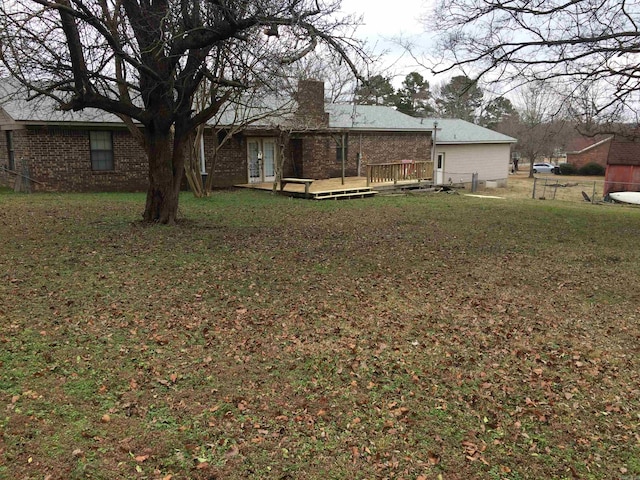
(546, 167)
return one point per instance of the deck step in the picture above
(341, 194)
(338, 191)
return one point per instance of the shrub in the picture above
(567, 169)
(591, 169)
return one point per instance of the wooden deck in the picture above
(333, 188)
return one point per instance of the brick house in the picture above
(317, 135)
(93, 151)
(86, 151)
(623, 165)
(584, 150)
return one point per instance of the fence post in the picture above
(593, 195)
(556, 190)
(533, 195)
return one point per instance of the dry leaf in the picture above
(232, 452)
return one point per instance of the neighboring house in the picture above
(584, 150)
(93, 151)
(463, 148)
(623, 165)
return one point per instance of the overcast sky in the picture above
(385, 20)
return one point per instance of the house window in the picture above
(10, 151)
(342, 143)
(101, 151)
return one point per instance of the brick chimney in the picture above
(310, 99)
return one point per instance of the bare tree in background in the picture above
(144, 60)
(539, 123)
(576, 43)
(339, 82)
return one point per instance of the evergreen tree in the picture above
(460, 98)
(376, 91)
(414, 95)
(498, 111)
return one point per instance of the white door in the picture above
(261, 159)
(269, 159)
(440, 168)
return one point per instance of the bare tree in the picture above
(250, 106)
(539, 123)
(339, 81)
(143, 61)
(575, 42)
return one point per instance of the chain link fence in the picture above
(579, 190)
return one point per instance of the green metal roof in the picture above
(372, 117)
(455, 131)
(383, 118)
(13, 100)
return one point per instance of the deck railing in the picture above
(399, 171)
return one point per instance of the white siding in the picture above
(490, 161)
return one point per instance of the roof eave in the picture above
(382, 129)
(474, 142)
(70, 124)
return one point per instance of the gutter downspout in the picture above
(433, 152)
(203, 166)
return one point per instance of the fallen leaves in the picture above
(473, 451)
(361, 337)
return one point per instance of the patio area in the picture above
(334, 188)
(396, 176)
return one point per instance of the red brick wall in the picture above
(19, 144)
(231, 164)
(392, 147)
(319, 152)
(310, 98)
(5, 178)
(61, 159)
(597, 155)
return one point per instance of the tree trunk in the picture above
(166, 165)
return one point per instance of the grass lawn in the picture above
(419, 337)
